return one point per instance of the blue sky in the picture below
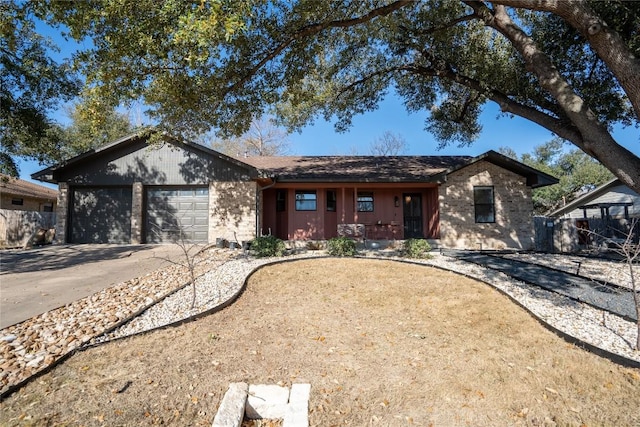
(321, 138)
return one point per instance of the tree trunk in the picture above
(607, 44)
(596, 139)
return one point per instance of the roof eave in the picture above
(49, 174)
(575, 204)
(535, 178)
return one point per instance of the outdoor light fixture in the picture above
(396, 201)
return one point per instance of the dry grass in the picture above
(381, 342)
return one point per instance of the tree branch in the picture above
(606, 42)
(507, 105)
(313, 29)
(596, 139)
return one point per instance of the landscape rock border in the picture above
(12, 380)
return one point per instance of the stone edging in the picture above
(86, 344)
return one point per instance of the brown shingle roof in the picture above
(19, 187)
(356, 168)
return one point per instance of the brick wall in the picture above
(513, 227)
(137, 202)
(62, 211)
(232, 207)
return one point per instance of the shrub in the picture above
(416, 248)
(267, 246)
(341, 246)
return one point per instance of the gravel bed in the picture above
(29, 347)
(611, 271)
(161, 298)
(212, 290)
(616, 299)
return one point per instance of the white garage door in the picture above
(175, 214)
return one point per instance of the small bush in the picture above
(416, 248)
(267, 246)
(341, 246)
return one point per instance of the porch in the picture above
(383, 211)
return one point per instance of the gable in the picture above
(134, 160)
(534, 177)
(612, 194)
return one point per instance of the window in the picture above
(281, 200)
(331, 200)
(306, 200)
(365, 201)
(483, 201)
(47, 207)
(17, 202)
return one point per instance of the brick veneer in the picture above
(513, 209)
(137, 203)
(62, 211)
(232, 211)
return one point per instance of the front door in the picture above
(412, 214)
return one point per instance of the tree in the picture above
(570, 67)
(84, 134)
(576, 171)
(31, 86)
(388, 145)
(262, 139)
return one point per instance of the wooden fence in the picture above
(24, 228)
(575, 234)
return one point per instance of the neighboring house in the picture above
(612, 200)
(17, 194)
(597, 217)
(128, 192)
(26, 212)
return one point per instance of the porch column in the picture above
(342, 203)
(62, 212)
(136, 213)
(355, 205)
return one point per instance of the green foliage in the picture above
(268, 246)
(167, 54)
(220, 64)
(416, 248)
(84, 134)
(32, 85)
(576, 171)
(341, 246)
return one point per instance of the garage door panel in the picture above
(100, 215)
(174, 214)
(200, 221)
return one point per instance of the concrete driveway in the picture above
(38, 280)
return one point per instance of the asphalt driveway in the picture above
(38, 280)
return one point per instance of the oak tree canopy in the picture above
(570, 67)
